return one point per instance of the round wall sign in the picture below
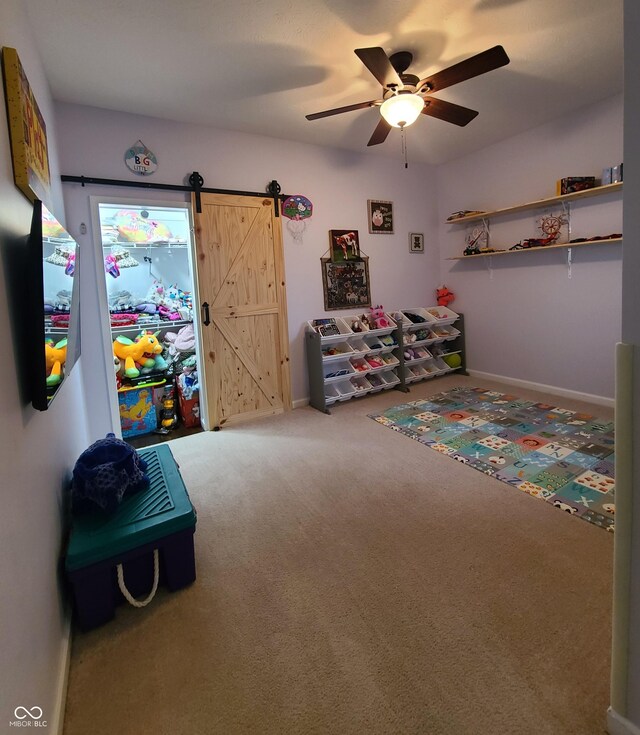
(141, 160)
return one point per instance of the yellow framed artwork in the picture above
(27, 130)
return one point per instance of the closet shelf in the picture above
(611, 241)
(145, 245)
(538, 204)
(155, 324)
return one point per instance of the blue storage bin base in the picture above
(95, 588)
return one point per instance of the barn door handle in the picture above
(205, 311)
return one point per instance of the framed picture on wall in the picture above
(344, 245)
(346, 285)
(416, 242)
(27, 131)
(380, 217)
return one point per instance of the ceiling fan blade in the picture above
(448, 112)
(339, 110)
(377, 62)
(488, 60)
(380, 133)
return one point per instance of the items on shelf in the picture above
(346, 364)
(379, 317)
(140, 356)
(571, 184)
(612, 236)
(549, 224)
(464, 213)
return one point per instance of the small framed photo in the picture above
(345, 285)
(416, 242)
(380, 217)
(344, 245)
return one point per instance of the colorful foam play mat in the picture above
(563, 457)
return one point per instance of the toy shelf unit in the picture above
(149, 270)
(344, 364)
(430, 343)
(556, 224)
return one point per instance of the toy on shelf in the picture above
(374, 362)
(414, 318)
(444, 296)
(55, 356)
(551, 226)
(367, 322)
(145, 352)
(409, 338)
(357, 326)
(410, 354)
(379, 318)
(453, 361)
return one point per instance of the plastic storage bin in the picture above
(160, 518)
(137, 409)
(189, 408)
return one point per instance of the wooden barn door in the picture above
(241, 278)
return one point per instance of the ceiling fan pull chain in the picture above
(404, 146)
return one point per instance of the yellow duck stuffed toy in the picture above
(145, 351)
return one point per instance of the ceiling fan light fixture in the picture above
(402, 109)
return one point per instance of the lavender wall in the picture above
(37, 451)
(525, 318)
(93, 142)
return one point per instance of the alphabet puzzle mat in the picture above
(564, 457)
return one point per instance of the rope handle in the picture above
(128, 596)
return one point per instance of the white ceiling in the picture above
(260, 65)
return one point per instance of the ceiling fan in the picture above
(406, 96)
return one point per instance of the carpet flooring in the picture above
(561, 456)
(351, 583)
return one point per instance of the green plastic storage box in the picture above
(159, 518)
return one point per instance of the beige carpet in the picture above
(352, 581)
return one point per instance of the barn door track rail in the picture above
(196, 185)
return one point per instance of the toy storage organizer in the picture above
(418, 344)
(147, 252)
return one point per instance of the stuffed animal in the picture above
(55, 356)
(379, 319)
(155, 294)
(146, 351)
(356, 326)
(444, 296)
(367, 323)
(410, 354)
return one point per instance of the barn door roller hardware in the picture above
(196, 182)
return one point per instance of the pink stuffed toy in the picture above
(379, 319)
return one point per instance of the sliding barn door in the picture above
(241, 278)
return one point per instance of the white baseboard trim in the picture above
(619, 725)
(57, 718)
(542, 388)
(301, 402)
